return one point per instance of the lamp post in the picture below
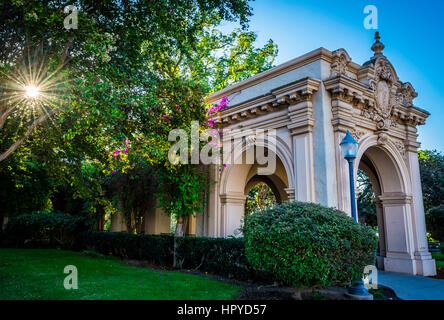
(349, 148)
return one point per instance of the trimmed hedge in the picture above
(306, 244)
(300, 244)
(153, 248)
(221, 256)
(46, 230)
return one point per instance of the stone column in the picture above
(396, 208)
(233, 205)
(425, 265)
(191, 226)
(381, 232)
(214, 214)
(117, 223)
(301, 129)
(157, 222)
(401, 233)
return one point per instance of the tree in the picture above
(25, 186)
(431, 166)
(366, 204)
(259, 197)
(118, 54)
(132, 194)
(132, 71)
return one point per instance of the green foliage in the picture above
(154, 248)
(132, 194)
(366, 205)
(377, 293)
(435, 222)
(259, 197)
(46, 229)
(24, 186)
(306, 244)
(182, 190)
(221, 256)
(132, 70)
(431, 166)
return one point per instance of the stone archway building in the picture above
(311, 101)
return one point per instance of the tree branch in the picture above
(4, 115)
(28, 132)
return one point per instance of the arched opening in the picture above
(261, 192)
(239, 179)
(380, 168)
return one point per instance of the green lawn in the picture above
(439, 259)
(38, 274)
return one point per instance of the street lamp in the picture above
(349, 148)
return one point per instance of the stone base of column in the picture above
(425, 267)
(421, 266)
(401, 265)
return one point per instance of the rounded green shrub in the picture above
(306, 244)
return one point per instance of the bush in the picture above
(435, 222)
(47, 230)
(306, 244)
(153, 248)
(221, 256)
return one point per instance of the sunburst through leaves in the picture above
(34, 90)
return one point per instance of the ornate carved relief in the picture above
(401, 147)
(357, 134)
(340, 62)
(407, 94)
(382, 138)
(385, 95)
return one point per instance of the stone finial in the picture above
(378, 46)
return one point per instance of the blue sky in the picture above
(412, 31)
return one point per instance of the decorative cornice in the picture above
(290, 94)
(385, 100)
(318, 54)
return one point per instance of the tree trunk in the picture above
(181, 227)
(297, 295)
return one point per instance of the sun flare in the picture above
(32, 91)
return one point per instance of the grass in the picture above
(438, 256)
(38, 274)
(439, 259)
